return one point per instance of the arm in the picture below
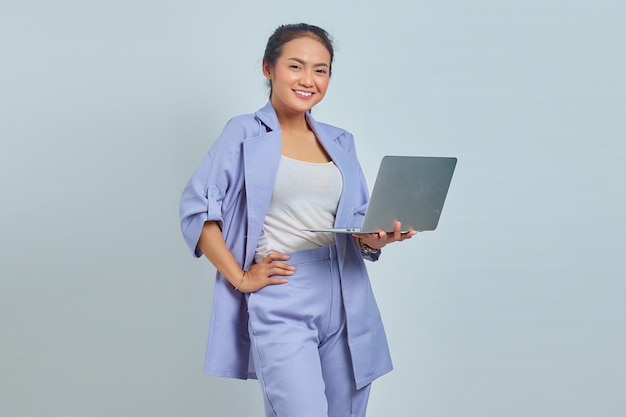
(212, 245)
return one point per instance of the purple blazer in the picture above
(233, 186)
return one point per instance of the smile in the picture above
(303, 93)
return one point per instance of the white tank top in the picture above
(305, 195)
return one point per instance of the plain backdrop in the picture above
(513, 307)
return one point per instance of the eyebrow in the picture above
(321, 64)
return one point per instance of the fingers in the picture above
(381, 238)
(397, 231)
(409, 234)
(269, 271)
(276, 281)
(398, 236)
(274, 267)
(275, 256)
(254, 283)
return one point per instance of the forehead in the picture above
(306, 48)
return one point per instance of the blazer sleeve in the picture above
(212, 187)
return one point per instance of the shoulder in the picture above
(244, 125)
(236, 131)
(254, 124)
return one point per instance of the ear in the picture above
(267, 70)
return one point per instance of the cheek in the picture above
(282, 75)
(323, 84)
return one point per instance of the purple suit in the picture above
(233, 186)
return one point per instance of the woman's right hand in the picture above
(264, 273)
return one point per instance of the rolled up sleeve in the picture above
(206, 193)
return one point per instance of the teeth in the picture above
(304, 93)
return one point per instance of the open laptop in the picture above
(410, 189)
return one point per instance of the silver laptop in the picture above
(410, 189)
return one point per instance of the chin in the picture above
(309, 105)
(303, 108)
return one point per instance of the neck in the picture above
(292, 122)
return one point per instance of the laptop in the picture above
(410, 189)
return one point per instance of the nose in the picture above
(307, 79)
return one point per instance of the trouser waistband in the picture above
(313, 255)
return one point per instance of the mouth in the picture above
(304, 94)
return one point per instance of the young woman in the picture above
(292, 308)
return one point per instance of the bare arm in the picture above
(212, 245)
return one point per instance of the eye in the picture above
(321, 71)
(294, 66)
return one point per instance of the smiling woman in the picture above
(299, 304)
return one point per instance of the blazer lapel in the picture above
(261, 160)
(328, 137)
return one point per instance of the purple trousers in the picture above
(299, 342)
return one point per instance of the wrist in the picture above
(365, 248)
(243, 278)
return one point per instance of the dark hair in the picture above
(286, 33)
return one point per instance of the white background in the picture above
(513, 307)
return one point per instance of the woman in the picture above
(292, 308)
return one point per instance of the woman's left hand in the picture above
(378, 240)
